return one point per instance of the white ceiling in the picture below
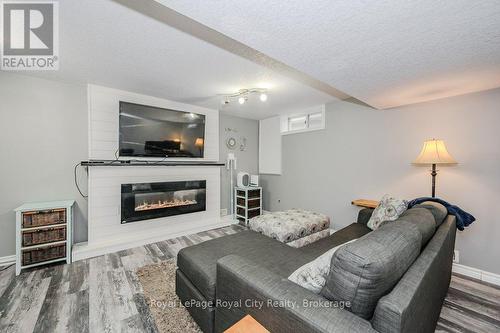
(105, 43)
(386, 52)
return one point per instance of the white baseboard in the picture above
(7, 260)
(85, 250)
(477, 274)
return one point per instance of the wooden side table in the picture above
(43, 233)
(246, 325)
(365, 203)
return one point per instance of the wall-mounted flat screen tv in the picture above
(148, 131)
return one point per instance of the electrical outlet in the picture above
(223, 212)
(456, 256)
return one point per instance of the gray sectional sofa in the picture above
(400, 290)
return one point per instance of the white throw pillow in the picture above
(389, 209)
(312, 275)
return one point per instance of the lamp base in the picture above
(434, 174)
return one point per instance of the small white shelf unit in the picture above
(248, 203)
(64, 223)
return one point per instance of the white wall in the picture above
(365, 153)
(270, 146)
(43, 134)
(238, 128)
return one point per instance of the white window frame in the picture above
(285, 120)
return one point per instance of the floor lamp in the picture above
(434, 152)
(231, 166)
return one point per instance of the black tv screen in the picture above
(148, 131)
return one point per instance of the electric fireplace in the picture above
(144, 201)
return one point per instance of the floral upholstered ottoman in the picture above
(295, 227)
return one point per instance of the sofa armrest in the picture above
(414, 304)
(277, 303)
(364, 215)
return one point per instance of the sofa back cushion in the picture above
(367, 269)
(423, 219)
(438, 210)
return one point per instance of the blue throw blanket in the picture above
(464, 219)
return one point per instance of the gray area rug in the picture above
(158, 283)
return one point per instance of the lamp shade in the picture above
(434, 152)
(198, 142)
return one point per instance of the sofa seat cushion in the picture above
(198, 262)
(344, 235)
(365, 270)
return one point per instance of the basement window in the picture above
(311, 120)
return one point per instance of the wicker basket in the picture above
(240, 211)
(43, 218)
(254, 194)
(253, 213)
(254, 203)
(43, 236)
(41, 254)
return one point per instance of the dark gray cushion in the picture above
(365, 270)
(438, 211)
(423, 219)
(198, 262)
(364, 215)
(300, 310)
(352, 231)
(204, 316)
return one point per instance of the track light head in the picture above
(242, 96)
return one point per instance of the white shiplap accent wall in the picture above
(104, 121)
(105, 232)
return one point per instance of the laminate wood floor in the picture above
(103, 294)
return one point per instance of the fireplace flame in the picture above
(164, 204)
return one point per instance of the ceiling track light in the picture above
(243, 94)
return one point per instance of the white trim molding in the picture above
(7, 260)
(477, 274)
(85, 250)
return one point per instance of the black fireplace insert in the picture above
(144, 201)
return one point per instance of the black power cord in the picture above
(117, 159)
(76, 180)
(80, 163)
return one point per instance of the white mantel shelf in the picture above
(125, 163)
